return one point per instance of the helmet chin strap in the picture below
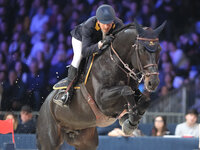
(103, 34)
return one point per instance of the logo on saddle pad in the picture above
(151, 43)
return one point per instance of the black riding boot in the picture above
(72, 73)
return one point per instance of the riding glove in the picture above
(105, 43)
(107, 40)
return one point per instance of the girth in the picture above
(101, 119)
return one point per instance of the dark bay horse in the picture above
(112, 87)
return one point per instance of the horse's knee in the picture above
(126, 91)
(134, 118)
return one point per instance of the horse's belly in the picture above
(77, 116)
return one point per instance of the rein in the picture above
(131, 73)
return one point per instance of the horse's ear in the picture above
(159, 29)
(139, 29)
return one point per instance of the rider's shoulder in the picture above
(90, 22)
(118, 22)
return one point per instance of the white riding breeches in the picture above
(77, 49)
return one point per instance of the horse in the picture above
(110, 93)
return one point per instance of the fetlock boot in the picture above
(69, 81)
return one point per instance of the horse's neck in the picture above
(123, 43)
(105, 70)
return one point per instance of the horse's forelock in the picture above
(148, 33)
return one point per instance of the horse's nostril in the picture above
(149, 83)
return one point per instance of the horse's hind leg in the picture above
(87, 139)
(48, 133)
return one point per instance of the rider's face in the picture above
(105, 28)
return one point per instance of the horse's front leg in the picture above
(117, 99)
(131, 120)
(112, 99)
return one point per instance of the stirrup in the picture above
(63, 101)
(61, 98)
(66, 99)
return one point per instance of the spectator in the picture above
(58, 67)
(27, 124)
(169, 81)
(34, 7)
(48, 51)
(189, 43)
(167, 70)
(14, 57)
(37, 23)
(3, 65)
(15, 43)
(2, 77)
(145, 17)
(22, 17)
(54, 11)
(163, 91)
(24, 50)
(160, 127)
(10, 115)
(42, 65)
(13, 92)
(179, 59)
(35, 84)
(21, 70)
(190, 126)
(131, 14)
(48, 32)
(38, 46)
(38, 20)
(4, 34)
(4, 47)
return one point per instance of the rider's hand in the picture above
(105, 43)
(105, 46)
(107, 40)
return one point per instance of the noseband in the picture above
(131, 72)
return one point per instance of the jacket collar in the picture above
(97, 27)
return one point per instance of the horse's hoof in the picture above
(127, 128)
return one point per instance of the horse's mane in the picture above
(123, 27)
(128, 26)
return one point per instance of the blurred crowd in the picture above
(35, 42)
(160, 127)
(25, 123)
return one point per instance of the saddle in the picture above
(62, 85)
(84, 73)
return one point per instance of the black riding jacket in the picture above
(90, 34)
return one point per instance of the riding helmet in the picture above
(105, 14)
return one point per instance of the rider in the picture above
(92, 36)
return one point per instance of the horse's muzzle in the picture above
(151, 82)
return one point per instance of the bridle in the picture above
(131, 73)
